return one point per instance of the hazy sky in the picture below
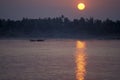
(100, 9)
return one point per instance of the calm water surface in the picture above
(60, 60)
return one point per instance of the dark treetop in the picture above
(60, 27)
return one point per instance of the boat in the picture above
(37, 40)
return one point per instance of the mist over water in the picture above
(59, 60)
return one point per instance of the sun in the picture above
(81, 6)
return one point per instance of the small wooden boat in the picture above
(36, 40)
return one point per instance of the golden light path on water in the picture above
(80, 59)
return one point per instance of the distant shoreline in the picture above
(60, 28)
(72, 38)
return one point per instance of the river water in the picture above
(60, 60)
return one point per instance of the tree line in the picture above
(59, 27)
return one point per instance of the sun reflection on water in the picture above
(80, 59)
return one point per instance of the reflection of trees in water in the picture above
(80, 59)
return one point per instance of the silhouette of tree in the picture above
(59, 27)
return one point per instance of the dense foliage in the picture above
(60, 27)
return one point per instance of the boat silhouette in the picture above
(37, 40)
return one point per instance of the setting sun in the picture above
(81, 6)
